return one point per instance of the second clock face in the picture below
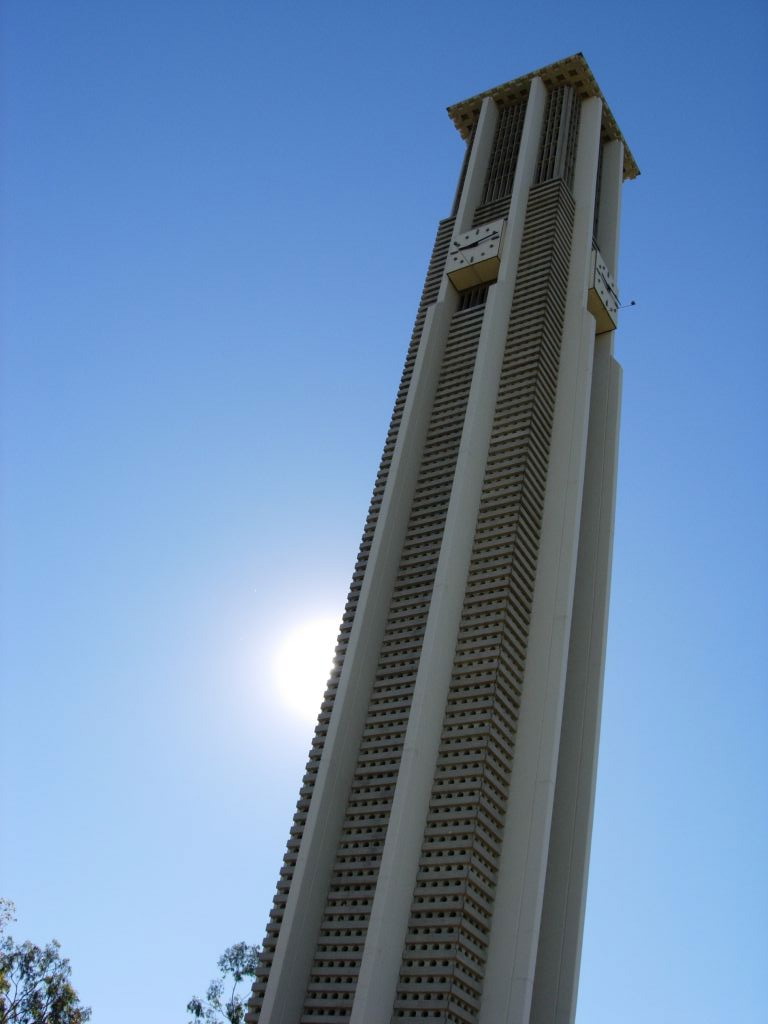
(474, 257)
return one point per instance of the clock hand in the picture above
(474, 245)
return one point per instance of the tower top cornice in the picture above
(572, 71)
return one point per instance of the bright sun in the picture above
(302, 664)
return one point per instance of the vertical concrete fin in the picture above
(510, 970)
(562, 923)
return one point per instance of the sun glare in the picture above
(302, 664)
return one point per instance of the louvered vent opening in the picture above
(491, 211)
(473, 297)
(506, 146)
(557, 154)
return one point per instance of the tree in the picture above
(236, 964)
(34, 982)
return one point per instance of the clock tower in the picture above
(437, 865)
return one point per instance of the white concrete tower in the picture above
(437, 866)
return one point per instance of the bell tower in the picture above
(437, 865)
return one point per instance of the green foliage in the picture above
(235, 965)
(34, 982)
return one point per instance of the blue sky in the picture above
(216, 221)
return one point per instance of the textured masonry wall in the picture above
(429, 294)
(334, 971)
(442, 971)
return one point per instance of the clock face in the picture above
(602, 297)
(605, 285)
(476, 243)
(474, 257)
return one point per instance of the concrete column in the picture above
(612, 177)
(508, 987)
(559, 953)
(474, 180)
(382, 957)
